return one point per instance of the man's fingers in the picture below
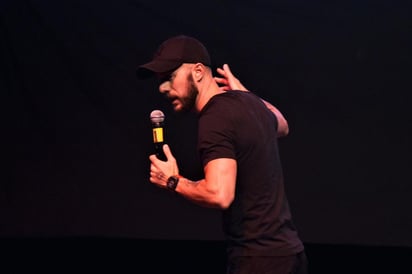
(227, 70)
(222, 81)
(167, 151)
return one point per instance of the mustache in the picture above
(170, 98)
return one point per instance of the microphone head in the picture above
(157, 116)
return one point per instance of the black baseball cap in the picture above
(172, 53)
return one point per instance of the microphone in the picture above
(157, 118)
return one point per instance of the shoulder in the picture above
(229, 97)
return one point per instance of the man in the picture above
(237, 143)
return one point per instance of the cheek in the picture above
(180, 88)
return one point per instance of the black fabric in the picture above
(172, 53)
(237, 125)
(295, 264)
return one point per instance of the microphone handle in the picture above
(159, 151)
(158, 140)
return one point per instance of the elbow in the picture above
(283, 129)
(225, 204)
(219, 199)
(286, 130)
(224, 200)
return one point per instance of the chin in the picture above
(177, 107)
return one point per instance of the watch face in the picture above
(172, 182)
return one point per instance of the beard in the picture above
(188, 102)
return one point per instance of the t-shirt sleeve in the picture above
(216, 132)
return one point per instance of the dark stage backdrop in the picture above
(77, 135)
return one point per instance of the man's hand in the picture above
(228, 81)
(160, 170)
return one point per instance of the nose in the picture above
(164, 87)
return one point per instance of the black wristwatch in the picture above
(172, 182)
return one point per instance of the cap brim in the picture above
(156, 66)
(144, 73)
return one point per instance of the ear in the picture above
(198, 72)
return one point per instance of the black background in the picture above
(77, 133)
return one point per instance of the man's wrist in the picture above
(172, 182)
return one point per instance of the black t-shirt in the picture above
(238, 125)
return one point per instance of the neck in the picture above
(207, 89)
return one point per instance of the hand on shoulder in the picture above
(227, 81)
